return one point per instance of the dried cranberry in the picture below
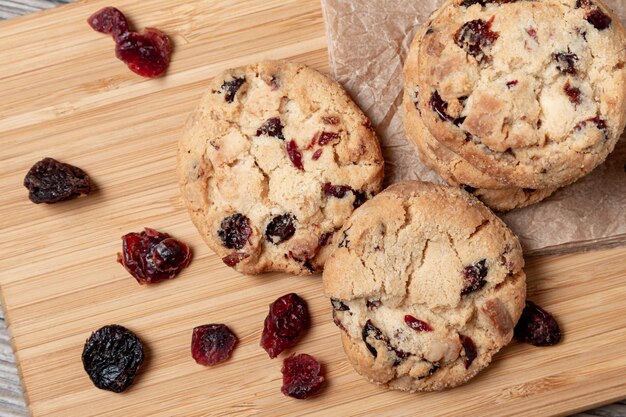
(151, 256)
(330, 120)
(474, 36)
(235, 231)
(234, 258)
(359, 198)
(294, 155)
(583, 3)
(110, 21)
(212, 344)
(287, 319)
(325, 238)
(339, 305)
(326, 137)
(281, 228)
(50, 181)
(372, 332)
(537, 327)
(511, 83)
(272, 127)
(600, 124)
(112, 356)
(317, 154)
(468, 3)
(302, 376)
(470, 350)
(468, 188)
(474, 276)
(572, 92)
(416, 324)
(231, 87)
(598, 19)
(338, 191)
(440, 107)
(532, 32)
(566, 62)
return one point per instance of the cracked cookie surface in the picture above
(426, 285)
(530, 93)
(272, 162)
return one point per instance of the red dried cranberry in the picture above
(302, 376)
(287, 319)
(235, 231)
(511, 83)
(281, 228)
(532, 32)
(474, 36)
(416, 324)
(325, 238)
(294, 154)
(272, 127)
(152, 257)
(50, 181)
(317, 154)
(110, 21)
(565, 62)
(440, 107)
(326, 137)
(598, 19)
(212, 344)
(112, 356)
(474, 276)
(231, 87)
(330, 120)
(537, 327)
(234, 258)
(572, 92)
(600, 124)
(470, 350)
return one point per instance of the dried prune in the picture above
(50, 181)
(272, 127)
(439, 106)
(235, 231)
(295, 156)
(416, 324)
(573, 93)
(566, 62)
(326, 137)
(474, 276)
(287, 319)
(302, 376)
(537, 327)
(231, 87)
(475, 36)
(470, 350)
(281, 228)
(598, 19)
(212, 344)
(151, 256)
(112, 356)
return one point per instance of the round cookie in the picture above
(523, 102)
(272, 162)
(426, 285)
(457, 172)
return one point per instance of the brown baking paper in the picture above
(367, 42)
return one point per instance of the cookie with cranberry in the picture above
(426, 285)
(272, 162)
(526, 104)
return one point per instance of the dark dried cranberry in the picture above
(573, 93)
(326, 137)
(566, 62)
(474, 36)
(317, 154)
(234, 258)
(338, 191)
(147, 53)
(474, 276)
(359, 198)
(338, 305)
(294, 155)
(600, 124)
(287, 319)
(330, 120)
(468, 3)
(212, 344)
(151, 256)
(416, 324)
(511, 84)
(598, 19)
(371, 331)
(281, 228)
(272, 127)
(302, 376)
(231, 87)
(50, 181)
(373, 303)
(344, 242)
(468, 188)
(112, 356)
(537, 327)
(110, 21)
(583, 3)
(309, 265)
(440, 107)
(235, 231)
(325, 238)
(470, 350)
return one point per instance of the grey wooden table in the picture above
(11, 394)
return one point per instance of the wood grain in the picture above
(66, 96)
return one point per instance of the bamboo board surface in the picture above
(65, 95)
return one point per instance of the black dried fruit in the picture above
(272, 127)
(281, 228)
(235, 231)
(475, 36)
(50, 181)
(468, 188)
(470, 350)
(231, 87)
(212, 344)
(112, 356)
(537, 327)
(359, 198)
(474, 276)
(439, 106)
(287, 319)
(302, 376)
(566, 62)
(598, 19)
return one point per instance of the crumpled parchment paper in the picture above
(367, 42)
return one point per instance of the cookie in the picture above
(272, 162)
(525, 103)
(426, 285)
(457, 172)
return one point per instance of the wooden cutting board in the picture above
(65, 95)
